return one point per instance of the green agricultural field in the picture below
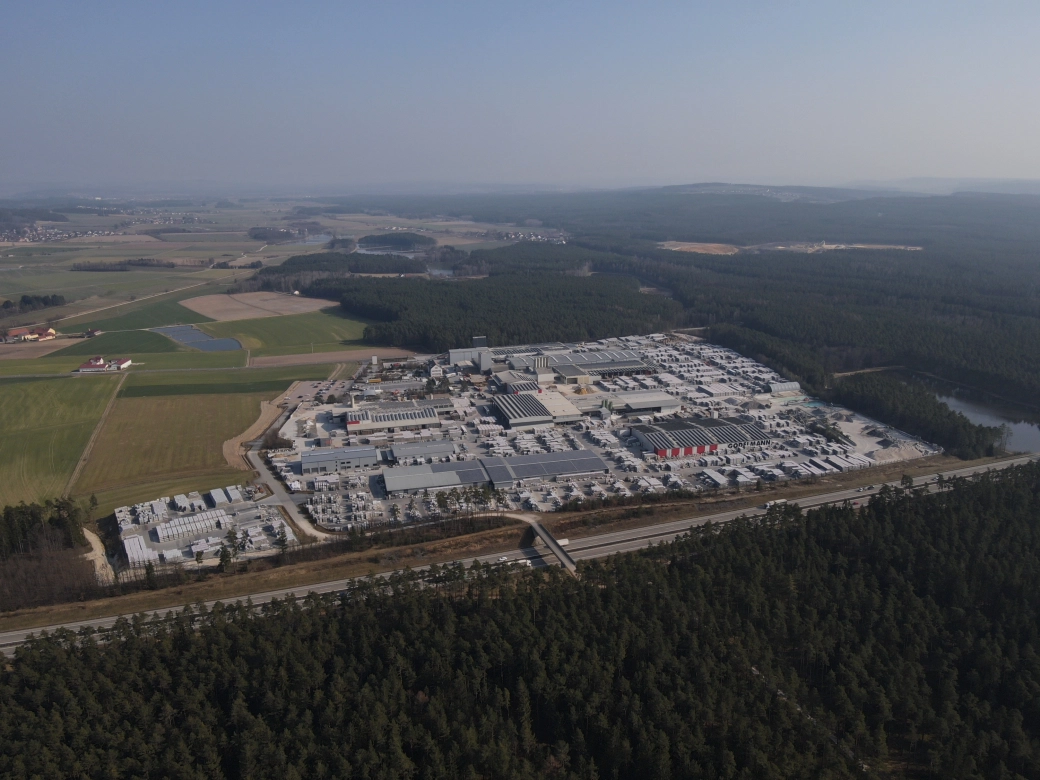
(319, 331)
(35, 366)
(159, 361)
(118, 344)
(44, 426)
(188, 359)
(248, 380)
(147, 314)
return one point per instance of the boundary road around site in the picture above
(597, 546)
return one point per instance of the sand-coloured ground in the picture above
(704, 249)
(31, 349)
(251, 306)
(269, 411)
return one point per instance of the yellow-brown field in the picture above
(152, 440)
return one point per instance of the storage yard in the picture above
(197, 528)
(538, 427)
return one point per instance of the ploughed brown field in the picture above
(251, 306)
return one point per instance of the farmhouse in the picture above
(98, 364)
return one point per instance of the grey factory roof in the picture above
(570, 371)
(585, 359)
(522, 409)
(385, 407)
(527, 349)
(499, 472)
(405, 415)
(418, 478)
(617, 367)
(699, 432)
(523, 386)
(637, 400)
(422, 449)
(321, 454)
(550, 464)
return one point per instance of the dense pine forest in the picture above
(304, 270)
(511, 309)
(895, 640)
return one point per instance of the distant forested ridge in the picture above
(271, 235)
(401, 241)
(508, 309)
(306, 269)
(11, 219)
(843, 643)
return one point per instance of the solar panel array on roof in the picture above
(469, 472)
(500, 472)
(691, 433)
(524, 386)
(553, 464)
(522, 409)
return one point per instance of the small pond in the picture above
(190, 336)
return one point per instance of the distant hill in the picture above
(403, 242)
(342, 244)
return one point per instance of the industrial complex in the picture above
(538, 426)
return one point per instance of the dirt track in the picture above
(351, 356)
(269, 411)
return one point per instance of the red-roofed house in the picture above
(96, 363)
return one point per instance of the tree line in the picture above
(27, 303)
(840, 642)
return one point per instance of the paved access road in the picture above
(597, 546)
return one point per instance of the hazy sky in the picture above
(346, 95)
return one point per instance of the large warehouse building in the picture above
(365, 421)
(699, 436)
(330, 460)
(526, 410)
(499, 473)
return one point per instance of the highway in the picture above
(598, 546)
